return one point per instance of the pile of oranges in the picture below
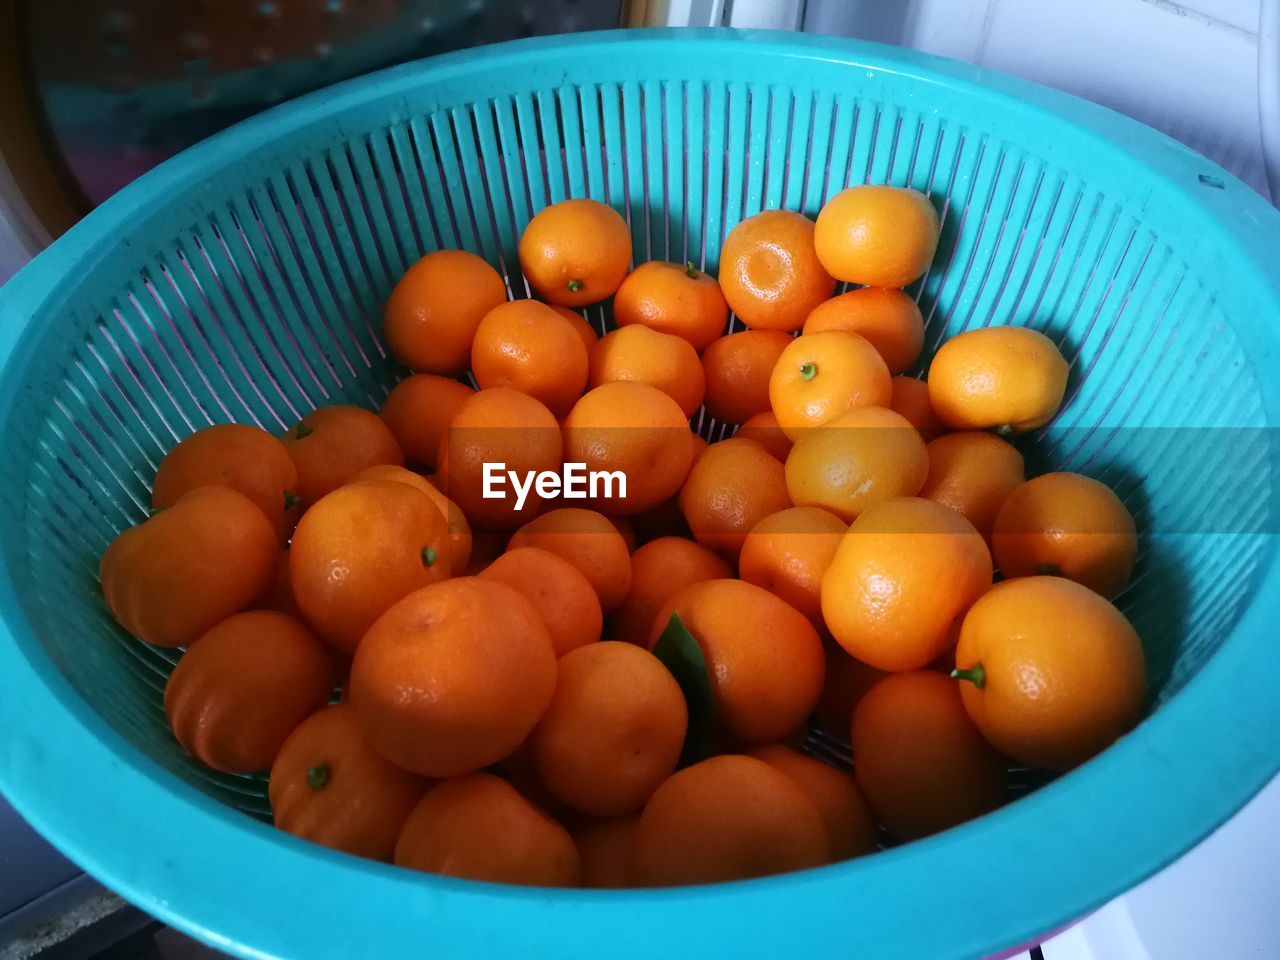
(615, 689)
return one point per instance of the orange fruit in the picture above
(846, 681)
(247, 459)
(613, 732)
(605, 848)
(770, 272)
(1008, 378)
(527, 346)
(659, 570)
(1066, 525)
(638, 354)
(459, 530)
(478, 827)
(418, 412)
(888, 319)
(1051, 672)
(972, 473)
(453, 677)
(732, 487)
(727, 818)
(563, 597)
(822, 375)
(177, 574)
(586, 332)
(626, 531)
(673, 298)
(278, 594)
(664, 520)
(764, 658)
(904, 572)
(498, 426)
(242, 688)
(864, 457)
(331, 445)
(634, 430)
(486, 547)
(763, 429)
(329, 786)
(432, 313)
(359, 550)
(588, 541)
(788, 552)
(849, 823)
(918, 758)
(877, 236)
(737, 370)
(575, 252)
(911, 400)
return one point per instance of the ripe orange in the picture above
(329, 786)
(822, 375)
(278, 594)
(763, 429)
(737, 369)
(847, 681)
(331, 445)
(919, 760)
(626, 531)
(864, 457)
(788, 552)
(1067, 525)
(911, 400)
(732, 487)
(459, 530)
(972, 473)
(764, 659)
(726, 818)
(1009, 378)
(604, 846)
(770, 272)
(614, 729)
(1051, 672)
(418, 412)
(575, 252)
(904, 572)
(585, 330)
(242, 688)
(432, 313)
(638, 354)
(659, 570)
(563, 597)
(453, 677)
(877, 236)
(478, 827)
(673, 298)
(633, 429)
(889, 319)
(588, 541)
(849, 823)
(527, 346)
(359, 550)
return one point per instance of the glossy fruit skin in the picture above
(973, 473)
(433, 312)
(849, 822)
(919, 760)
(245, 458)
(904, 572)
(1010, 378)
(359, 550)
(585, 330)
(877, 236)
(459, 530)
(1064, 671)
(604, 846)
(563, 597)
(213, 548)
(737, 369)
(575, 252)
(770, 273)
(672, 298)
(1069, 525)
(614, 729)
(244, 686)
(911, 400)
(727, 818)
(764, 658)
(659, 570)
(889, 319)
(453, 677)
(788, 552)
(478, 827)
(733, 486)
(331, 445)
(641, 355)
(636, 429)
(763, 428)
(820, 376)
(418, 412)
(527, 346)
(589, 541)
(864, 457)
(329, 786)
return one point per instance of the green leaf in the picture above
(680, 654)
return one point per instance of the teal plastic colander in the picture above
(244, 281)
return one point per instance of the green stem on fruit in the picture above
(291, 499)
(691, 271)
(975, 675)
(318, 776)
(575, 286)
(302, 432)
(808, 371)
(429, 556)
(1049, 570)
